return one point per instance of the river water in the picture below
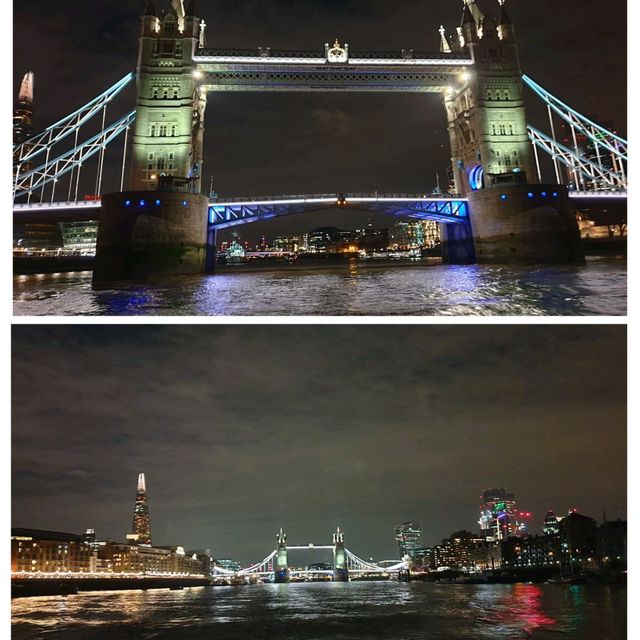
(597, 288)
(331, 611)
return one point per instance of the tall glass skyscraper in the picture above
(141, 523)
(409, 538)
(499, 518)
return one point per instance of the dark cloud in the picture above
(245, 429)
(268, 144)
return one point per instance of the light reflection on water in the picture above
(349, 611)
(597, 288)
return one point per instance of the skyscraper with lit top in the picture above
(141, 529)
(23, 115)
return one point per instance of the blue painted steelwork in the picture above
(231, 213)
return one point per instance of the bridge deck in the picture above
(226, 212)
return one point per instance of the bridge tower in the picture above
(340, 570)
(512, 220)
(170, 106)
(485, 109)
(282, 567)
(160, 225)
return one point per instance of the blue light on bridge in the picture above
(127, 203)
(475, 177)
(555, 194)
(530, 194)
(143, 203)
(185, 203)
(157, 203)
(544, 194)
(503, 196)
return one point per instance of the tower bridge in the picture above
(158, 221)
(346, 564)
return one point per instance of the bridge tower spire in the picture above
(282, 567)
(340, 570)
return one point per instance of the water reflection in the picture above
(597, 288)
(351, 611)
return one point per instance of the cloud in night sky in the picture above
(244, 429)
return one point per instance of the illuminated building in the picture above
(455, 551)
(114, 557)
(551, 523)
(499, 518)
(286, 244)
(414, 235)
(409, 538)
(37, 551)
(23, 115)
(228, 564)
(80, 237)
(141, 529)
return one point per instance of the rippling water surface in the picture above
(349, 611)
(597, 288)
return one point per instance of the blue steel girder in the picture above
(223, 215)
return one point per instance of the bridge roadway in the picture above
(230, 212)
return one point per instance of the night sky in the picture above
(268, 144)
(244, 429)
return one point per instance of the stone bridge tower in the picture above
(170, 105)
(165, 232)
(281, 568)
(340, 569)
(512, 218)
(485, 109)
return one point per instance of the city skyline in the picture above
(396, 143)
(247, 429)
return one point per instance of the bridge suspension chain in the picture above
(609, 168)
(42, 142)
(260, 567)
(577, 164)
(52, 170)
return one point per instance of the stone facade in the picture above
(170, 105)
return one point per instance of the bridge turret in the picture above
(506, 30)
(149, 23)
(468, 27)
(444, 43)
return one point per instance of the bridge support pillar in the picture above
(340, 570)
(281, 570)
(210, 264)
(524, 224)
(149, 233)
(457, 244)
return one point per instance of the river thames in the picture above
(598, 287)
(315, 611)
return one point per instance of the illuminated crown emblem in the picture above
(337, 53)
